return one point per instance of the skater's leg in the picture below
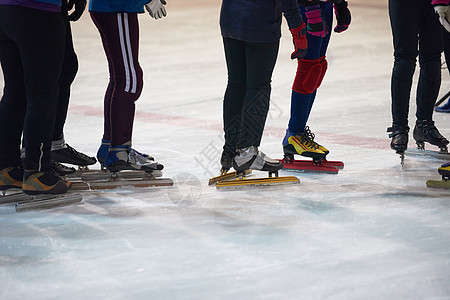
(42, 56)
(13, 101)
(310, 73)
(404, 18)
(430, 49)
(446, 42)
(260, 62)
(120, 37)
(39, 37)
(62, 152)
(235, 92)
(68, 73)
(319, 49)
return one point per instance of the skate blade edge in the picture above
(258, 181)
(438, 184)
(103, 185)
(48, 201)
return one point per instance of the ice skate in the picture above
(226, 161)
(444, 170)
(37, 182)
(252, 158)
(444, 183)
(399, 142)
(122, 157)
(444, 108)
(63, 153)
(122, 160)
(104, 149)
(11, 178)
(426, 131)
(303, 145)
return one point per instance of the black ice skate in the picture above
(226, 161)
(425, 131)
(64, 153)
(399, 142)
(399, 135)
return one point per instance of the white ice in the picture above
(374, 231)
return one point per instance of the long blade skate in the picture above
(321, 166)
(226, 176)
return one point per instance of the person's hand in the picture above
(315, 24)
(300, 41)
(156, 8)
(343, 16)
(79, 5)
(444, 15)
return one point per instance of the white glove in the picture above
(444, 15)
(156, 8)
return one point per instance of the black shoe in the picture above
(49, 182)
(11, 177)
(226, 160)
(62, 170)
(399, 135)
(68, 155)
(425, 131)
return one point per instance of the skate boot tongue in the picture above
(252, 158)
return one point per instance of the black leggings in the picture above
(68, 73)
(31, 55)
(415, 30)
(246, 101)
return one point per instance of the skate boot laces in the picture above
(305, 139)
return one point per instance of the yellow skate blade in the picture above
(258, 181)
(439, 184)
(226, 176)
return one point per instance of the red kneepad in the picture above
(310, 73)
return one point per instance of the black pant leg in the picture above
(235, 92)
(40, 38)
(260, 62)
(13, 100)
(69, 71)
(404, 17)
(430, 49)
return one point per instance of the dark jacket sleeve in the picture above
(291, 12)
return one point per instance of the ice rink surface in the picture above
(374, 231)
